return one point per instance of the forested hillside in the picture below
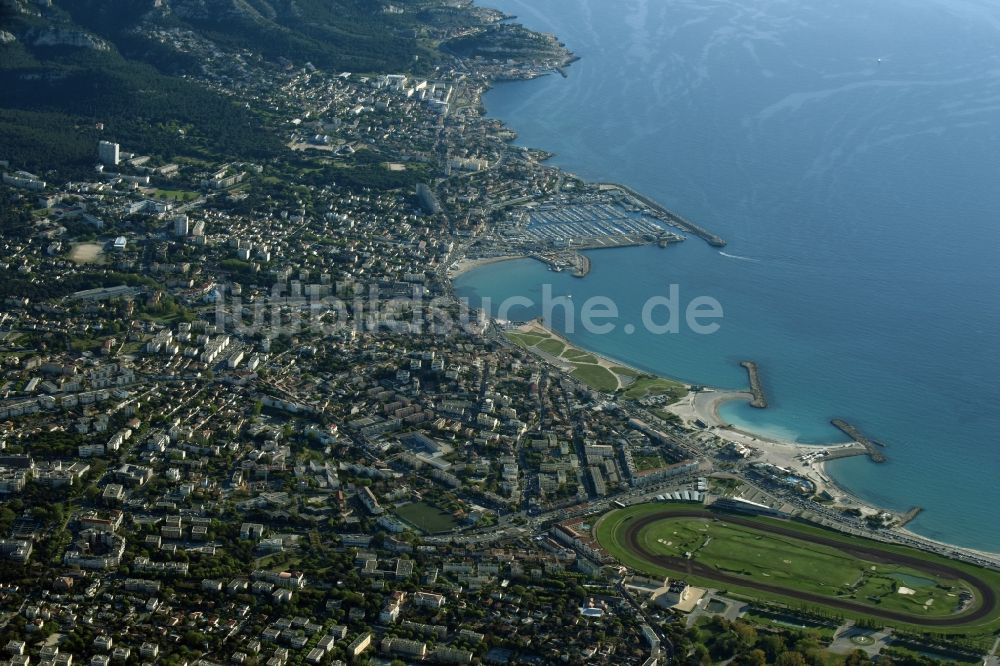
(355, 35)
(70, 64)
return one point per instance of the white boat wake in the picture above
(736, 256)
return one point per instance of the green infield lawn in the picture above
(802, 565)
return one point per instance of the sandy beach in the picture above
(466, 265)
(700, 412)
(704, 407)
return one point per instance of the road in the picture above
(665, 643)
(991, 658)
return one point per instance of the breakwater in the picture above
(908, 517)
(756, 387)
(850, 452)
(872, 447)
(668, 215)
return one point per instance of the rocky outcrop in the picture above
(216, 9)
(25, 6)
(59, 36)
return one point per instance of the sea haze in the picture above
(848, 152)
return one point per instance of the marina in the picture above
(590, 226)
(667, 216)
(555, 229)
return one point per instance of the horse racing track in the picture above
(794, 562)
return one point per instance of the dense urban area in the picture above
(243, 417)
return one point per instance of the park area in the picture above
(789, 561)
(594, 371)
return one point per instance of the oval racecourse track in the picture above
(986, 593)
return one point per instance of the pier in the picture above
(872, 447)
(669, 216)
(849, 451)
(756, 387)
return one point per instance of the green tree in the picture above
(746, 633)
(772, 645)
(752, 658)
(857, 658)
(7, 518)
(791, 659)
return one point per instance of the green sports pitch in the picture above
(782, 560)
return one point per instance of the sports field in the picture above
(427, 517)
(790, 561)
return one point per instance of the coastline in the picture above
(780, 452)
(602, 360)
(704, 406)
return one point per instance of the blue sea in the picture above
(849, 152)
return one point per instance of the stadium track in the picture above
(988, 597)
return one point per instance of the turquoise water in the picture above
(849, 154)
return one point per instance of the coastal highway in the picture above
(519, 524)
(986, 593)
